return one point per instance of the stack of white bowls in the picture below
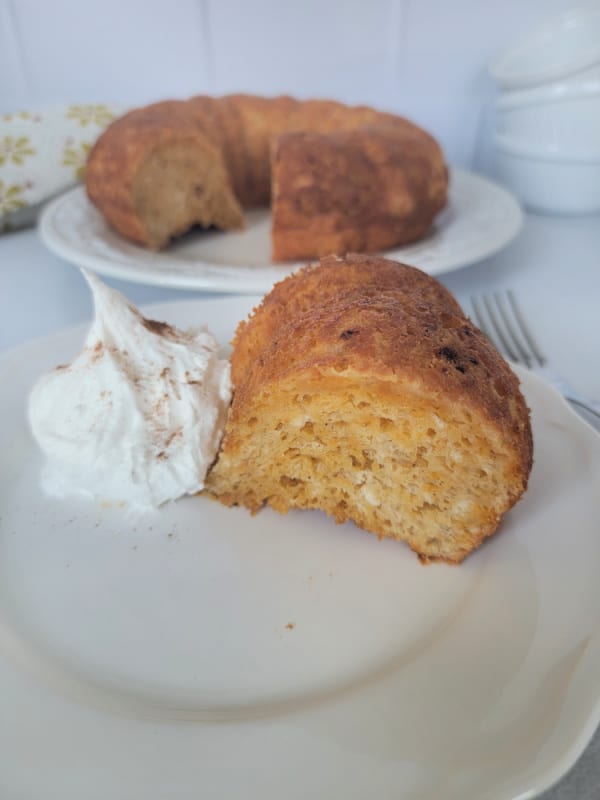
(547, 130)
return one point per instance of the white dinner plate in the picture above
(481, 218)
(198, 651)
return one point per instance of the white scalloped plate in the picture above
(201, 652)
(481, 218)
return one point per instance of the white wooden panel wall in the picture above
(423, 58)
(315, 47)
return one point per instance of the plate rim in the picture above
(246, 283)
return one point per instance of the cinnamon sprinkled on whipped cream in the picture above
(137, 416)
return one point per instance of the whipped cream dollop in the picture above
(137, 416)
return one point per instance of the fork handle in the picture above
(580, 401)
(588, 405)
(592, 407)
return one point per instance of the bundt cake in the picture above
(338, 177)
(360, 388)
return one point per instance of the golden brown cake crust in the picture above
(375, 316)
(357, 190)
(345, 177)
(386, 362)
(120, 154)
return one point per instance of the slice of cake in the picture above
(361, 389)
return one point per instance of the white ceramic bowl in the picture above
(556, 120)
(548, 183)
(559, 48)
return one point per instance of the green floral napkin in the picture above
(42, 153)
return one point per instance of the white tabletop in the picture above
(553, 266)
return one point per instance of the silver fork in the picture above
(499, 317)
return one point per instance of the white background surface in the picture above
(425, 59)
